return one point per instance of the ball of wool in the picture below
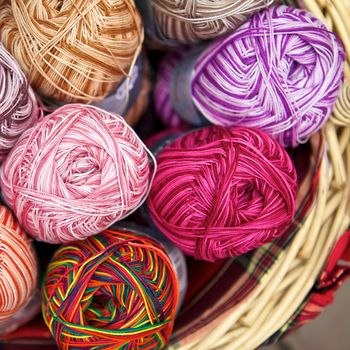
(281, 72)
(190, 21)
(221, 192)
(116, 290)
(18, 272)
(162, 98)
(72, 51)
(18, 106)
(75, 173)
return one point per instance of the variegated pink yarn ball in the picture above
(222, 192)
(75, 173)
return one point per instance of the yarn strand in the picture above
(77, 172)
(115, 290)
(221, 192)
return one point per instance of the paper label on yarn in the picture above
(181, 88)
(121, 99)
(151, 25)
(175, 254)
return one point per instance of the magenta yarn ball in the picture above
(75, 173)
(221, 192)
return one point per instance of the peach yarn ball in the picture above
(18, 266)
(72, 51)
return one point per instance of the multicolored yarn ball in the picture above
(72, 51)
(18, 269)
(221, 192)
(281, 72)
(18, 105)
(189, 21)
(76, 172)
(116, 290)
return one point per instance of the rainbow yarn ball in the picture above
(18, 269)
(281, 72)
(116, 290)
(18, 106)
(221, 192)
(76, 172)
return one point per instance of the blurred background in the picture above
(330, 331)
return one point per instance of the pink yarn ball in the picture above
(221, 192)
(75, 173)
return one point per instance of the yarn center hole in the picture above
(114, 303)
(105, 310)
(248, 202)
(80, 170)
(296, 68)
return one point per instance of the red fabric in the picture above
(200, 273)
(36, 329)
(333, 276)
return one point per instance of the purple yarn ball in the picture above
(280, 72)
(162, 101)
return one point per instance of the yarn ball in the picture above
(18, 272)
(162, 99)
(18, 106)
(72, 51)
(281, 72)
(189, 21)
(76, 172)
(221, 192)
(116, 290)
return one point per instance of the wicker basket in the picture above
(233, 321)
(251, 298)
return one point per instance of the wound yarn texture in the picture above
(18, 267)
(281, 72)
(18, 105)
(76, 172)
(116, 290)
(72, 51)
(189, 21)
(162, 99)
(221, 192)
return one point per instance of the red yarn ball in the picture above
(221, 192)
